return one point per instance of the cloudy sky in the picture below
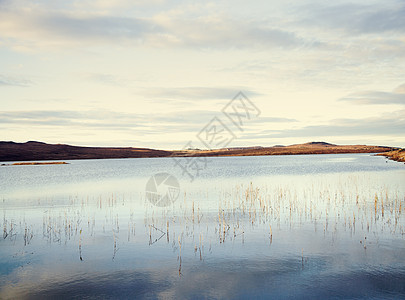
(153, 73)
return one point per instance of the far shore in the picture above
(30, 153)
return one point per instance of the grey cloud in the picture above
(199, 93)
(90, 119)
(43, 28)
(106, 79)
(390, 19)
(177, 121)
(234, 33)
(13, 81)
(391, 124)
(265, 120)
(96, 27)
(64, 28)
(110, 120)
(378, 97)
(358, 18)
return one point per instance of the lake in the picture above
(299, 226)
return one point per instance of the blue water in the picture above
(301, 227)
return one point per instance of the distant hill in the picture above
(37, 151)
(10, 151)
(320, 144)
(307, 148)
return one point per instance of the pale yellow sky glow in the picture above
(154, 73)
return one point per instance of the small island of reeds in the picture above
(36, 163)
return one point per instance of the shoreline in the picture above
(396, 155)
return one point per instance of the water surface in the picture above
(309, 226)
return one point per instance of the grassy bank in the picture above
(397, 155)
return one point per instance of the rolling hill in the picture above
(33, 151)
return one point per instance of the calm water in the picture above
(304, 227)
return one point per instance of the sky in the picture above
(155, 73)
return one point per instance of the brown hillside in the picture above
(32, 151)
